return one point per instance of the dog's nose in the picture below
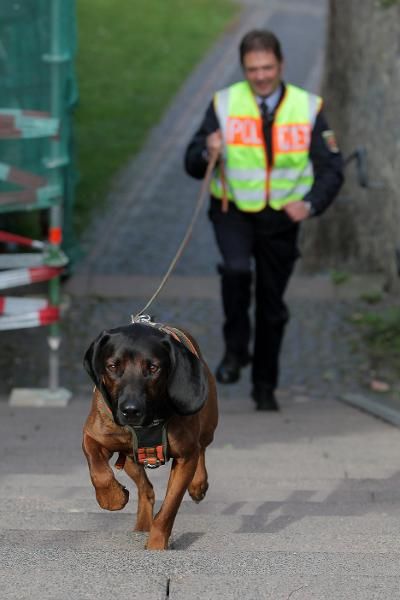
(131, 412)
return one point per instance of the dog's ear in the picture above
(188, 382)
(91, 356)
(93, 363)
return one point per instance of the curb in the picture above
(384, 411)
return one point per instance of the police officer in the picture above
(278, 164)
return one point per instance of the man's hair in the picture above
(260, 39)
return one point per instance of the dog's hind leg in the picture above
(199, 484)
(146, 497)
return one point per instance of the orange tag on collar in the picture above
(151, 456)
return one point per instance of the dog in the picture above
(154, 398)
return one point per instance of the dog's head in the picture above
(144, 374)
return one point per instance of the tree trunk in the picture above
(361, 90)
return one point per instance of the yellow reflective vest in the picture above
(252, 182)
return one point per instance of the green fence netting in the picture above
(38, 92)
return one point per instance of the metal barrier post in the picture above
(57, 58)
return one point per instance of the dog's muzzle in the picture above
(131, 412)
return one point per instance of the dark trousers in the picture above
(269, 238)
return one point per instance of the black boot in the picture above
(264, 397)
(236, 296)
(228, 370)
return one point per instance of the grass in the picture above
(132, 58)
(381, 333)
(372, 297)
(339, 277)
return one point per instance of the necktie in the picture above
(264, 110)
(265, 117)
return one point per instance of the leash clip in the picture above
(155, 465)
(139, 318)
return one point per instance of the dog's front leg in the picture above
(181, 475)
(110, 494)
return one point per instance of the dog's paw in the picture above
(157, 541)
(114, 497)
(197, 491)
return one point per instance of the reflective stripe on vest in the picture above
(251, 184)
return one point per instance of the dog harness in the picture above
(150, 444)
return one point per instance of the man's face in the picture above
(263, 71)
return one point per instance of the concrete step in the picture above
(311, 530)
(63, 569)
(298, 501)
(274, 587)
(49, 496)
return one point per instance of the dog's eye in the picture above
(153, 368)
(112, 367)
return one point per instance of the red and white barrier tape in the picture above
(17, 277)
(22, 260)
(20, 313)
(12, 238)
(45, 316)
(10, 305)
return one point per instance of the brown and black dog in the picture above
(146, 377)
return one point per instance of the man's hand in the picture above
(297, 211)
(214, 144)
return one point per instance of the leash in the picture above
(150, 444)
(200, 201)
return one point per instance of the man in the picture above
(278, 164)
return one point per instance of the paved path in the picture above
(303, 504)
